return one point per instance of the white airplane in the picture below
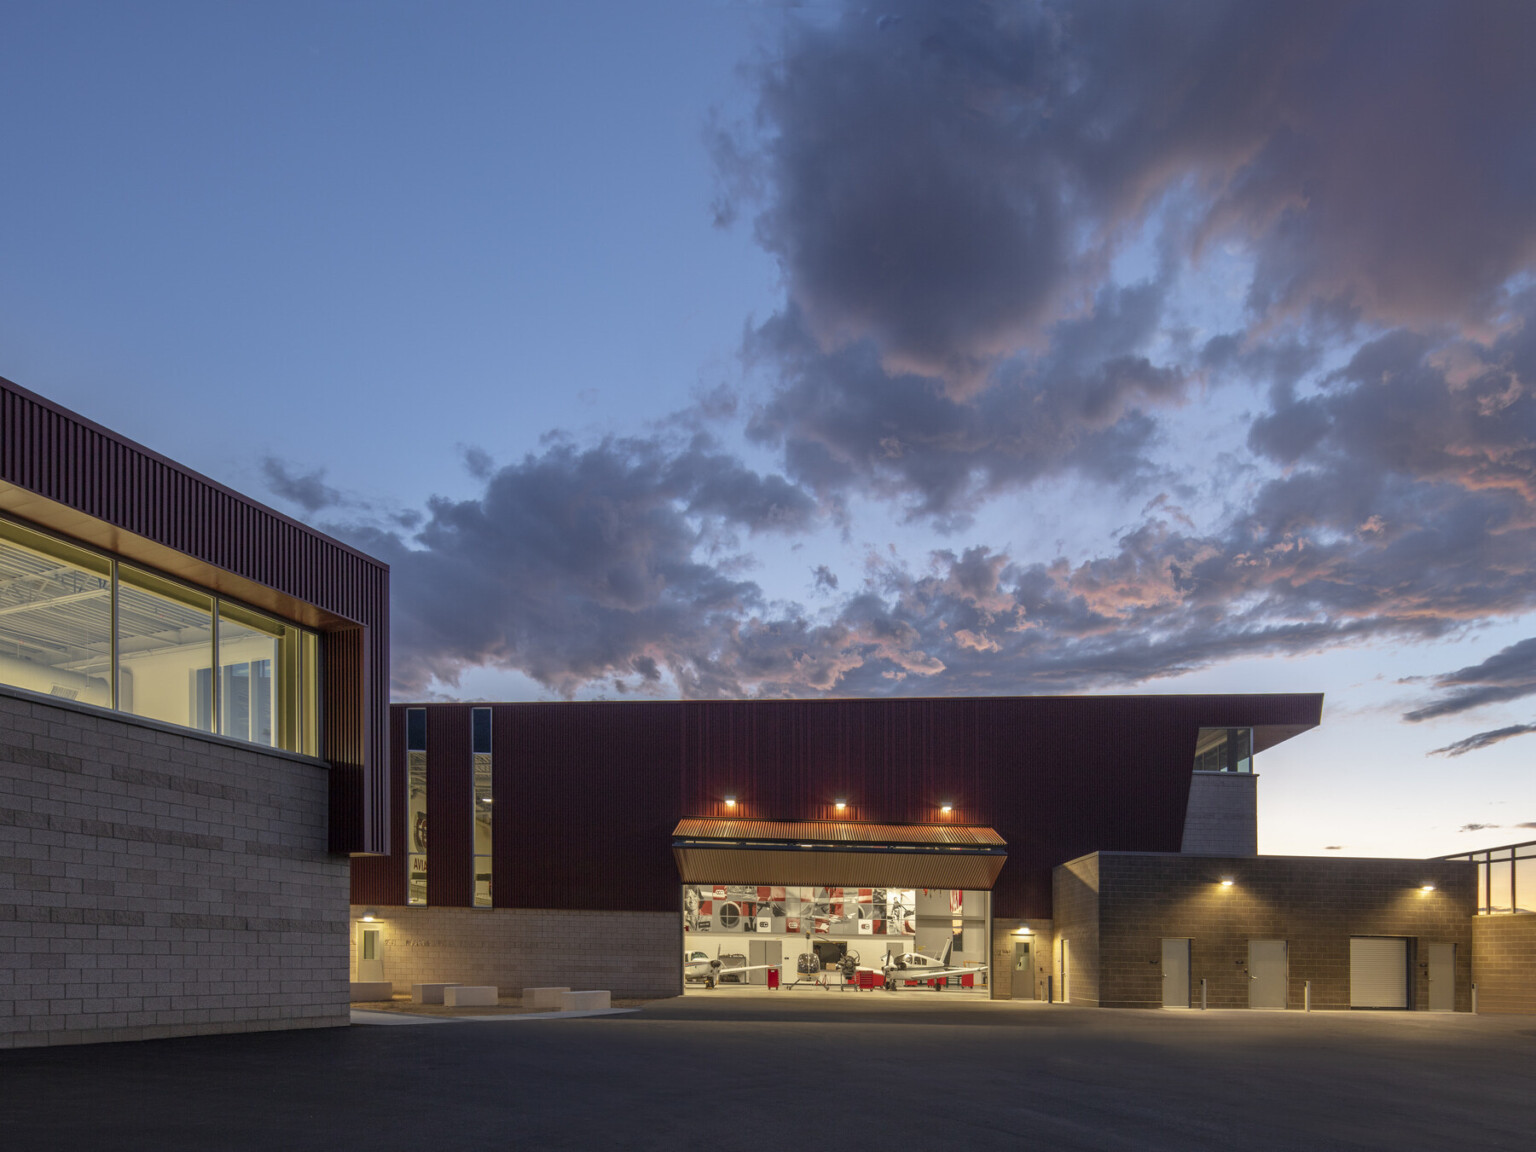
(699, 966)
(921, 966)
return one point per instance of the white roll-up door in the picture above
(1378, 972)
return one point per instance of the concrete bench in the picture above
(430, 993)
(464, 995)
(365, 990)
(543, 999)
(584, 1001)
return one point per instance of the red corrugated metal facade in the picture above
(588, 794)
(70, 475)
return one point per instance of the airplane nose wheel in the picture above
(709, 982)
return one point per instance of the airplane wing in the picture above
(746, 968)
(933, 973)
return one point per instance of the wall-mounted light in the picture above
(485, 799)
(840, 805)
(730, 801)
(1021, 930)
(1227, 881)
(946, 808)
(370, 916)
(1426, 888)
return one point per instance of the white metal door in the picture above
(1023, 971)
(370, 953)
(1175, 973)
(1442, 977)
(1268, 972)
(1378, 972)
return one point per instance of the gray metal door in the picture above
(1023, 987)
(1378, 972)
(1442, 977)
(1175, 973)
(763, 952)
(370, 953)
(1268, 972)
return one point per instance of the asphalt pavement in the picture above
(800, 1070)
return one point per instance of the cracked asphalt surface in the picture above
(801, 1069)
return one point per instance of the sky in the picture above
(714, 349)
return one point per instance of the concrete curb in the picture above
(389, 1019)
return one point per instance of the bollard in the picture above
(1306, 996)
(1202, 993)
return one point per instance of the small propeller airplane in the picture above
(921, 966)
(698, 966)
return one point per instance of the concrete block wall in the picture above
(1314, 903)
(1222, 815)
(1504, 962)
(1075, 902)
(627, 953)
(157, 884)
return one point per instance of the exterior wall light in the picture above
(946, 808)
(1021, 930)
(1227, 881)
(840, 805)
(1427, 888)
(730, 801)
(370, 915)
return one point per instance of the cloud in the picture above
(1485, 740)
(1506, 675)
(306, 489)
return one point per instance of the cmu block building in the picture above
(192, 742)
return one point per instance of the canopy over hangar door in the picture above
(1378, 972)
(807, 852)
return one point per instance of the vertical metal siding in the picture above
(380, 880)
(58, 455)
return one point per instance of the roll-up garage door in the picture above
(1378, 972)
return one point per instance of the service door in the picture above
(763, 952)
(1066, 971)
(370, 953)
(1378, 972)
(1023, 986)
(1268, 972)
(1175, 973)
(1442, 977)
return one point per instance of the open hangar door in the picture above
(836, 904)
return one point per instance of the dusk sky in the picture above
(756, 349)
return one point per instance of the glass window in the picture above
(480, 729)
(1501, 877)
(254, 658)
(1224, 750)
(57, 604)
(1525, 883)
(55, 617)
(416, 806)
(164, 650)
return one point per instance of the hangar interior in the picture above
(826, 934)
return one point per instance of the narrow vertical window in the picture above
(480, 732)
(416, 805)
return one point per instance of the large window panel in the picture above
(164, 650)
(55, 617)
(480, 739)
(257, 658)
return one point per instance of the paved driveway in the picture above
(802, 1071)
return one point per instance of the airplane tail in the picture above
(949, 946)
